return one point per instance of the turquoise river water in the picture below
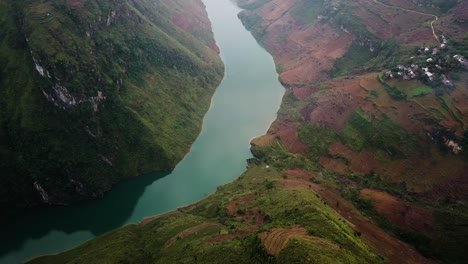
(243, 107)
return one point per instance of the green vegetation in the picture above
(253, 23)
(219, 228)
(249, 5)
(307, 11)
(393, 91)
(278, 157)
(378, 135)
(421, 91)
(365, 55)
(94, 92)
(444, 5)
(317, 138)
(452, 233)
(356, 56)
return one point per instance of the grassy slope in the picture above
(157, 80)
(193, 234)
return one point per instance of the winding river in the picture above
(243, 107)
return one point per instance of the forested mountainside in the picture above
(92, 92)
(366, 162)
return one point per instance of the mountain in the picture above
(366, 162)
(376, 107)
(93, 92)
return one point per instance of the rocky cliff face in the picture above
(96, 91)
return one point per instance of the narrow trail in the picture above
(417, 12)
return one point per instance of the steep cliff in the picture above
(92, 92)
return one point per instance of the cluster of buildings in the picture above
(429, 65)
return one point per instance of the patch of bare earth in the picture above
(400, 212)
(388, 22)
(454, 190)
(392, 249)
(308, 52)
(263, 141)
(287, 132)
(360, 162)
(190, 231)
(191, 15)
(276, 9)
(302, 93)
(277, 239)
(251, 216)
(150, 219)
(335, 165)
(334, 106)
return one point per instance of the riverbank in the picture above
(231, 225)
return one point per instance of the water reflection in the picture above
(95, 217)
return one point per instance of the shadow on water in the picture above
(96, 217)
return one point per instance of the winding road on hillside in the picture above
(417, 12)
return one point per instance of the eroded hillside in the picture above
(92, 92)
(376, 101)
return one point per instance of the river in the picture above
(243, 107)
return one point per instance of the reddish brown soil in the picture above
(275, 9)
(298, 173)
(334, 106)
(335, 165)
(454, 190)
(461, 11)
(303, 92)
(400, 212)
(190, 231)
(233, 206)
(263, 141)
(459, 97)
(191, 15)
(394, 250)
(394, 23)
(422, 174)
(360, 162)
(277, 239)
(287, 132)
(305, 51)
(314, 49)
(248, 215)
(238, 234)
(148, 220)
